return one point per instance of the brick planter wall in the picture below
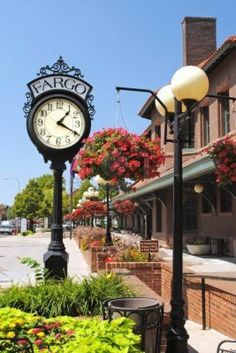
(148, 272)
(95, 256)
(220, 305)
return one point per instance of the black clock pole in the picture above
(56, 258)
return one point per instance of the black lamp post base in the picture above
(56, 263)
(177, 342)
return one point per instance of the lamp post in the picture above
(17, 181)
(188, 86)
(101, 181)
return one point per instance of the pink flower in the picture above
(70, 332)
(22, 342)
(38, 342)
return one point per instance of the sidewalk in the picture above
(200, 341)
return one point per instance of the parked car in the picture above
(66, 226)
(6, 228)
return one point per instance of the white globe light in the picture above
(198, 188)
(100, 180)
(190, 83)
(85, 194)
(167, 97)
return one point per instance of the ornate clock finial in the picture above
(60, 67)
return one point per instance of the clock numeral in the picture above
(67, 139)
(48, 138)
(59, 104)
(42, 132)
(40, 122)
(50, 107)
(43, 112)
(58, 141)
(75, 113)
(77, 123)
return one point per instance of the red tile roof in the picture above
(229, 40)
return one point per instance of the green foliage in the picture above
(78, 194)
(67, 297)
(28, 232)
(70, 335)
(131, 255)
(41, 273)
(36, 199)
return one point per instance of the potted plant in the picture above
(198, 246)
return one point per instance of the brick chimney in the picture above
(199, 39)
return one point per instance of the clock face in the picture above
(58, 123)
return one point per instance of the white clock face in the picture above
(59, 123)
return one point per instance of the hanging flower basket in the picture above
(116, 154)
(223, 154)
(94, 208)
(125, 207)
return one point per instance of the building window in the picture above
(224, 113)
(206, 206)
(225, 201)
(204, 111)
(190, 213)
(158, 216)
(188, 132)
(158, 131)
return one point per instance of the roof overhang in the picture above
(196, 169)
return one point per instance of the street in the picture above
(12, 247)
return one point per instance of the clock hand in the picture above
(61, 120)
(67, 127)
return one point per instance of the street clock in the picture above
(59, 111)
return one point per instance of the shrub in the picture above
(69, 335)
(67, 297)
(90, 236)
(131, 255)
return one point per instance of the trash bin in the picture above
(147, 313)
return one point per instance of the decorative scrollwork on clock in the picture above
(60, 67)
(27, 105)
(90, 106)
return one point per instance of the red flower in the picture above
(124, 207)
(36, 330)
(223, 154)
(38, 342)
(117, 154)
(70, 332)
(22, 342)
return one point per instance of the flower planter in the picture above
(198, 249)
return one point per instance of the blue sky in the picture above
(135, 43)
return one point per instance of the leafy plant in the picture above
(198, 241)
(69, 335)
(131, 255)
(40, 272)
(68, 297)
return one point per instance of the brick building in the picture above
(212, 212)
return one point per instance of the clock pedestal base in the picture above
(56, 263)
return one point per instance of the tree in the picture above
(27, 203)
(78, 194)
(36, 199)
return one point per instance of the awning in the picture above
(196, 169)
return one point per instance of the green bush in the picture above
(68, 335)
(67, 297)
